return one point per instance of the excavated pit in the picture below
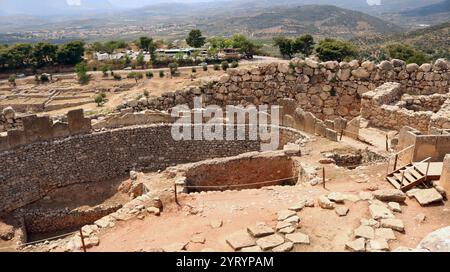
(247, 171)
(67, 209)
(352, 158)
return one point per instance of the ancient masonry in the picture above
(330, 90)
(328, 99)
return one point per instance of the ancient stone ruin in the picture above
(96, 174)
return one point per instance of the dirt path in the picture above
(240, 209)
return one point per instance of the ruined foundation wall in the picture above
(45, 220)
(380, 108)
(29, 171)
(434, 146)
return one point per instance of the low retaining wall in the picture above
(30, 171)
(48, 220)
(236, 173)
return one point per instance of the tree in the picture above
(140, 61)
(195, 38)
(99, 99)
(331, 49)
(285, 46)
(147, 44)
(406, 53)
(303, 44)
(70, 53)
(81, 69)
(44, 53)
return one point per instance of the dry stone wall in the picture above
(326, 89)
(383, 108)
(30, 171)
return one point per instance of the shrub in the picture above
(234, 64)
(146, 94)
(225, 65)
(81, 70)
(173, 68)
(105, 70)
(103, 94)
(44, 78)
(216, 67)
(12, 80)
(99, 99)
(205, 67)
(161, 73)
(149, 74)
(117, 77)
(331, 49)
(194, 70)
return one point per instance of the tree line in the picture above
(24, 55)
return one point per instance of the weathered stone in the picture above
(154, 210)
(198, 239)
(215, 224)
(385, 233)
(251, 249)
(6, 231)
(428, 196)
(395, 207)
(292, 220)
(365, 195)
(437, 241)
(378, 244)
(325, 203)
(239, 240)
(270, 242)
(391, 195)
(420, 218)
(287, 230)
(392, 223)
(364, 232)
(336, 197)
(358, 245)
(285, 214)
(379, 212)
(341, 211)
(297, 207)
(285, 247)
(175, 247)
(260, 230)
(282, 225)
(298, 238)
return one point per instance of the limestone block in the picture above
(37, 128)
(77, 123)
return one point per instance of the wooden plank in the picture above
(413, 184)
(394, 182)
(416, 174)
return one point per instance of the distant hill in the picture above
(52, 7)
(321, 20)
(429, 10)
(434, 40)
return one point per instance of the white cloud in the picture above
(374, 2)
(73, 2)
